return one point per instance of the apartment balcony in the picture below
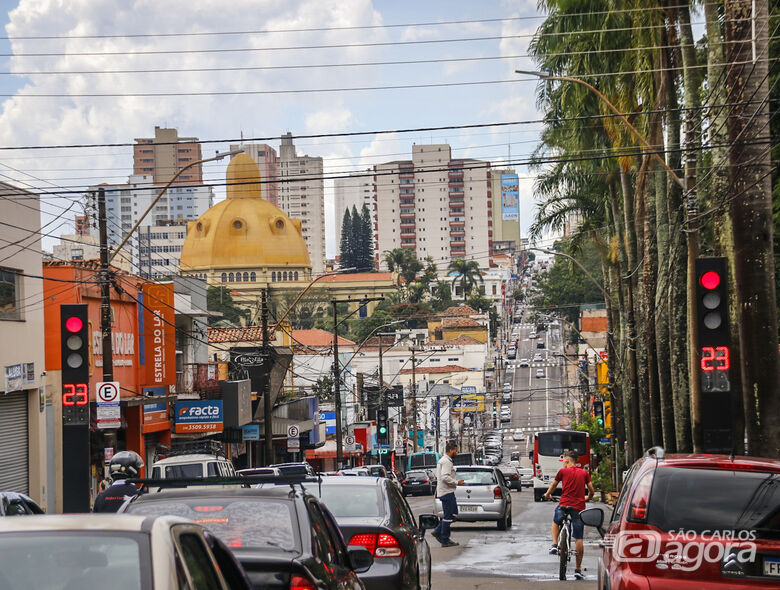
(200, 378)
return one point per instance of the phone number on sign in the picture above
(205, 427)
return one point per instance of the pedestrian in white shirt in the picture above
(445, 492)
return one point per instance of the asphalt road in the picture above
(517, 558)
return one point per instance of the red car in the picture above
(692, 522)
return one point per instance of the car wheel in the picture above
(509, 521)
(538, 495)
(502, 524)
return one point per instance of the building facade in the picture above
(437, 206)
(26, 412)
(163, 155)
(267, 160)
(159, 248)
(353, 191)
(504, 191)
(301, 195)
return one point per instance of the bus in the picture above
(423, 460)
(548, 456)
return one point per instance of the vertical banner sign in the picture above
(159, 334)
(510, 208)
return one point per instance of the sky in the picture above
(264, 39)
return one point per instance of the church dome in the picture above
(244, 230)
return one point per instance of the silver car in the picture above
(526, 476)
(485, 495)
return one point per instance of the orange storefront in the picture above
(144, 351)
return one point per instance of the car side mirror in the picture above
(428, 521)
(594, 517)
(360, 558)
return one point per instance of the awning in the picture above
(328, 451)
(280, 425)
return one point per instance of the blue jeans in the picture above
(577, 526)
(449, 506)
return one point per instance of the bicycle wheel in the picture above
(563, 552)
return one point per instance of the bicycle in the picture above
(564, 542)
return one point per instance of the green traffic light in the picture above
(382, 430)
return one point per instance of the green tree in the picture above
(366, 261)
(220, 300)
(346, 249)
(442, 296)
(468, 275)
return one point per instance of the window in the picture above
(231, 278)
(238, 277)
(246, 277)
(296, 275)
(273, 276)
(9, 295)
(253, 276)
(198, 562)
(285, 276)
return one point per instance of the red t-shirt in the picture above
(573, 481)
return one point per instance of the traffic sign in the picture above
(293, 444)
(349, 443)
(108, 411)
(293, 431)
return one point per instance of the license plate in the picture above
(467, 509)
(772, 566)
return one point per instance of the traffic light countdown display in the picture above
(382, 430)
(714, 352)
(74, 349)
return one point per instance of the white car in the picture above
(518, 437)
(538, 358)
(532, 336)
(523, 363)
(540, 373)
(127, 551)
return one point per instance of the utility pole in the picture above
(268, 426)
(381, 374)
(337, 388)
(105, 291)
(414, 401)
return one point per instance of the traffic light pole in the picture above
(105, 291)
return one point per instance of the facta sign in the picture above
(198, 416)
(159, 334)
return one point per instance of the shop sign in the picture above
(155, 413)
(159, 334)
(17, 376)
(198, 416)
(251, 431)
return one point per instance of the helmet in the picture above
(125, 464)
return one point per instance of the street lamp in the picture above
(231, 153)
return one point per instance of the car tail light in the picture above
(380, 545)
(425, 480)
(637, 510)
(404, 481)
(497, 493)
(301, 583)
(366, 540)
(515, 476)
(387, 546)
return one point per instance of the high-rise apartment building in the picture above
(159, 248)
(301, 195)
(505, 195)
(125, 203)
(353, 191)
(265, 157)
(438, 206)
(163, 155)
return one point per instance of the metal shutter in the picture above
(14, 443)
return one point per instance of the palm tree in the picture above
(468, 275)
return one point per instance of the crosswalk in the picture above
(547, 363)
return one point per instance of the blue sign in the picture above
(604, 441)
(330, 421)
(469, 389)
(251, 431)
(199, 416)
(510, 208)
(158, 391)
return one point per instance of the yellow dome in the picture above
(244, 231)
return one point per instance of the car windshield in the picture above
(67, 560)
(715, 499)
(292, 469)
(416, 475)
(249, 523)
(348, 501)
(476, 478)
(185, 470)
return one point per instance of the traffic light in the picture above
(382, 430)
(598, 411)
(74, 346)
(714, 350)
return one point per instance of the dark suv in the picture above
(693, 521)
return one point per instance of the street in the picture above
(518, 558)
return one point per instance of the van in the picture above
(192, 460)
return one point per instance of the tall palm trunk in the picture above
(744, 421)
(751, 208)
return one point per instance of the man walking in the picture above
(445, 492)
(573, 481)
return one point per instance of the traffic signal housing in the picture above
(74, 347)
(382, 429)
(598, 411)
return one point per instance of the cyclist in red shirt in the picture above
(573, 481)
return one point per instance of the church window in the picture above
(231, 278)
(285, 276)
(273, 277)
(224, 277)
(238, 277)
(246, 277)
(253, 276)
(296, 275)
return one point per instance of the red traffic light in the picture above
(74, 324)
(710, 280)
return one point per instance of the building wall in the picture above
(159, 248)
(438, 206)
(304, 198)
(22, 328)
(163, 155)
(503, 230)
(352, 191)
(268, 161)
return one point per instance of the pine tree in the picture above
(357, 239)
(345, 254)
(367, 238)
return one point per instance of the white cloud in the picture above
(328, 120)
